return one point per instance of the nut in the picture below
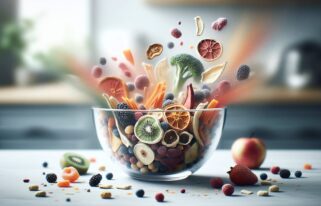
(265, 182)
(105, 186)
(124, 187)
(41, 194)
(274, 188)
(246, 192)
(105, 195)
(33, 188)
(262, 193)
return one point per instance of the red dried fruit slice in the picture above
(189, 101)
(114, 86)
(209, 49)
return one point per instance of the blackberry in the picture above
(102, 61)
(263, 176)
(125, 118)
(95, 180)
(169, 96)
(51, 177)
(243, 72)
(167, 102)
(298, 174)
(284, 173)
(140, 193)
(109, 176)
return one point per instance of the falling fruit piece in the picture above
(209, 49)
(113, 86)
(212, 74)
(189, 101)
(129, 56)
(162, 72)
(199, 25)
(123, 67)
(154, 50)
(149, 72)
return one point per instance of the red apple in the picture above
(249, 152)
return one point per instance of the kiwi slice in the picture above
(75, 160)
(148, 129)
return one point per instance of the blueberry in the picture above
(130, 150)
(140, 193)
(284, 173)
(116, 132)
(263, 176)
(122, 150)
(170, 45)
(102, 61)
(198, 96)
(167, 102)
(139, 98)
(298, 174)
(130, 86)
(169, 96)
(243, 72)
(109, 176)
(45, 164)
(165, 126)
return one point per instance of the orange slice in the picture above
(178, 120)
(113, 86)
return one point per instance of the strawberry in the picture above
(242, 175)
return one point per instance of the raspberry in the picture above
(176, 33)
(243, 72)
(228, 189)
(298, 174)
(95, 180)
(284, 173)
(159, 197)
(109, 176)
(263, 176)
(216, 182)
(140, 193)
(275, 170)
(51, 177)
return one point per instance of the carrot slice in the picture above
(63, 183)
(151, 98)
(129, 56)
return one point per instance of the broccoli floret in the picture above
(187, 66)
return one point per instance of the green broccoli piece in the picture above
(187, 66)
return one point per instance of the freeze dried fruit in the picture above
(219, 24)
(154, 50)
(199, 25)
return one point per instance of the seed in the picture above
(262, 193)
(105, 186)
(33, 187)
(124, 187)
(246, 192)
(41, 194)
(265, 182)
(102, 168)
(105, 195)
(274, 188)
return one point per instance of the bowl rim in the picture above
(158, 110)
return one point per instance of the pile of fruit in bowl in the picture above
(162, 123)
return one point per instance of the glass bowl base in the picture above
(160, 178)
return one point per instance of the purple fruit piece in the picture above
(176, 33)
(174, 152)
(171, 163)
(154, 147)
(96, 71)
(138, 115)
(162, 150)
(219, 24)
(133, 160)
(134, 139)
(141, 81)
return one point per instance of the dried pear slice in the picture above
(149, 72)
(197, 115)
(163, 72)
(170, 138)
(199, 25)
(185, 138)
(212, 74)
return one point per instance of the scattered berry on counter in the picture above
(41, 194)
(33, 188)
(109, 176)
(275, 170)
(176, 33)
(298, 174)
(68, 199)
(45, 164)
(263, 193)
(63, 183)
(88, 190)
(179, 23)
(170, 45)
(102, 168)
(285, 173)
(130, 86)
(307, 166)
(51, 177)
(183, 190)
(103, 61)
(228, 189)
(159, 197)
(216, 182)
(26, 180)
(96, 71)
(95, 180)
(105, 195)
(140, 193)
(243, 72)
(43, 173)
(242, 175)
(263, 176)
(274, 188)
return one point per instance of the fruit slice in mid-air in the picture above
(70, 173)
(242, 175)
(148, 129)
(129, 56)
(79, 162)
(209, 49)
(144, 153)
(114, 86)
(189, 101)
(177, 116)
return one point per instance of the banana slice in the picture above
(144, 153)
(212, 74)
(163, 73)
(196, 122)
(199, 25)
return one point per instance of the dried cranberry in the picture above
(176, 33)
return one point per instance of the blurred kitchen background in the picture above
(41, 109)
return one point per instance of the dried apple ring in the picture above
(154, 50)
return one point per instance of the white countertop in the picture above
(19, 164)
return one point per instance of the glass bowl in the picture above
(159, 145)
